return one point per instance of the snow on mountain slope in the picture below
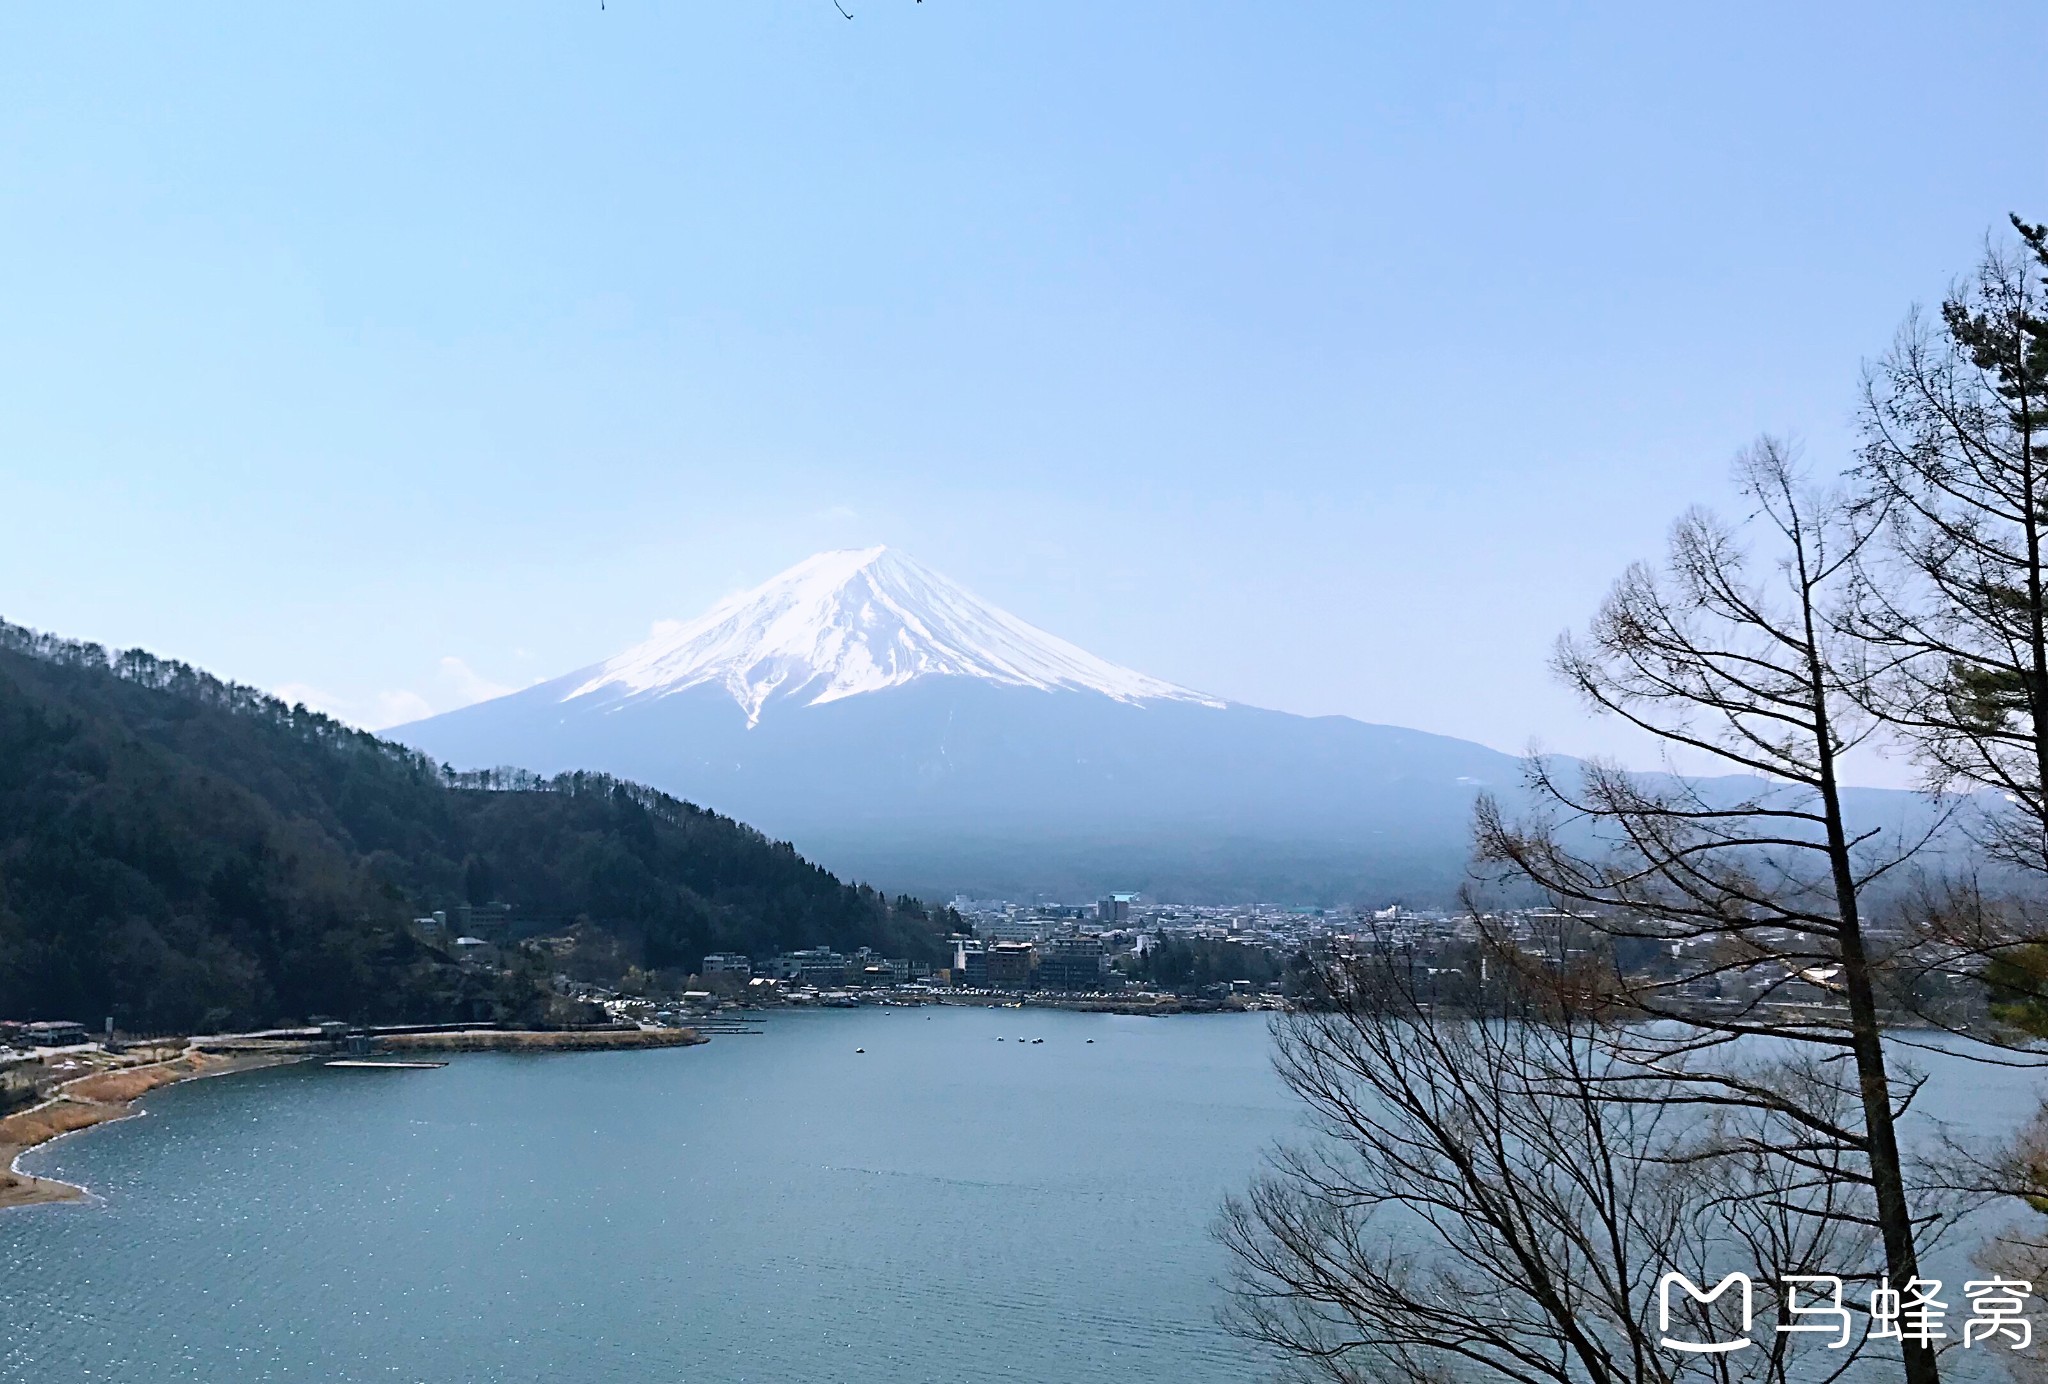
(859, 620)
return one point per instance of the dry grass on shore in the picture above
(26, 1128)
(87, 1101)
(110, 1094)
(122, 1085)
(94, 1100)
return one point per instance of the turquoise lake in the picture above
(775, 1207)
(761, 1208)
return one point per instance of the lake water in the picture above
(771, 1208)
(763, 1208)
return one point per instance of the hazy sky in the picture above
(1327, 357)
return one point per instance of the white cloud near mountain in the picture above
(468, 685)
(455, 685)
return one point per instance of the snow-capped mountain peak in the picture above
(859, 620)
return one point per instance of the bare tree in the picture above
(1757, 888)
(1952, 610)
(1497, 1193)
(1953, 604)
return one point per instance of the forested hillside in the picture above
(184, 853)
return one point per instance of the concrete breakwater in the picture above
(448, 1038)
(537, 1040)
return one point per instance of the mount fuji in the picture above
(863, 620)
(893, 725)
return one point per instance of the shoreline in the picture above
(1147, 1005)
(94, 1099)
(110, 1095)
(541, 1040)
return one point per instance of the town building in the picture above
(54, 1033)
(1010, 965)
(1073, 963)
(818, 967)
(1114, 909)
(730, 964)
(1013, 929)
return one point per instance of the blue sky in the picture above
(1328, 357)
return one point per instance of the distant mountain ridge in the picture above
(899, 728)
(879, 715)
(186, 854)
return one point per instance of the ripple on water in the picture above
(771, 1209)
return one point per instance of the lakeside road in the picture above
(110, 1093)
